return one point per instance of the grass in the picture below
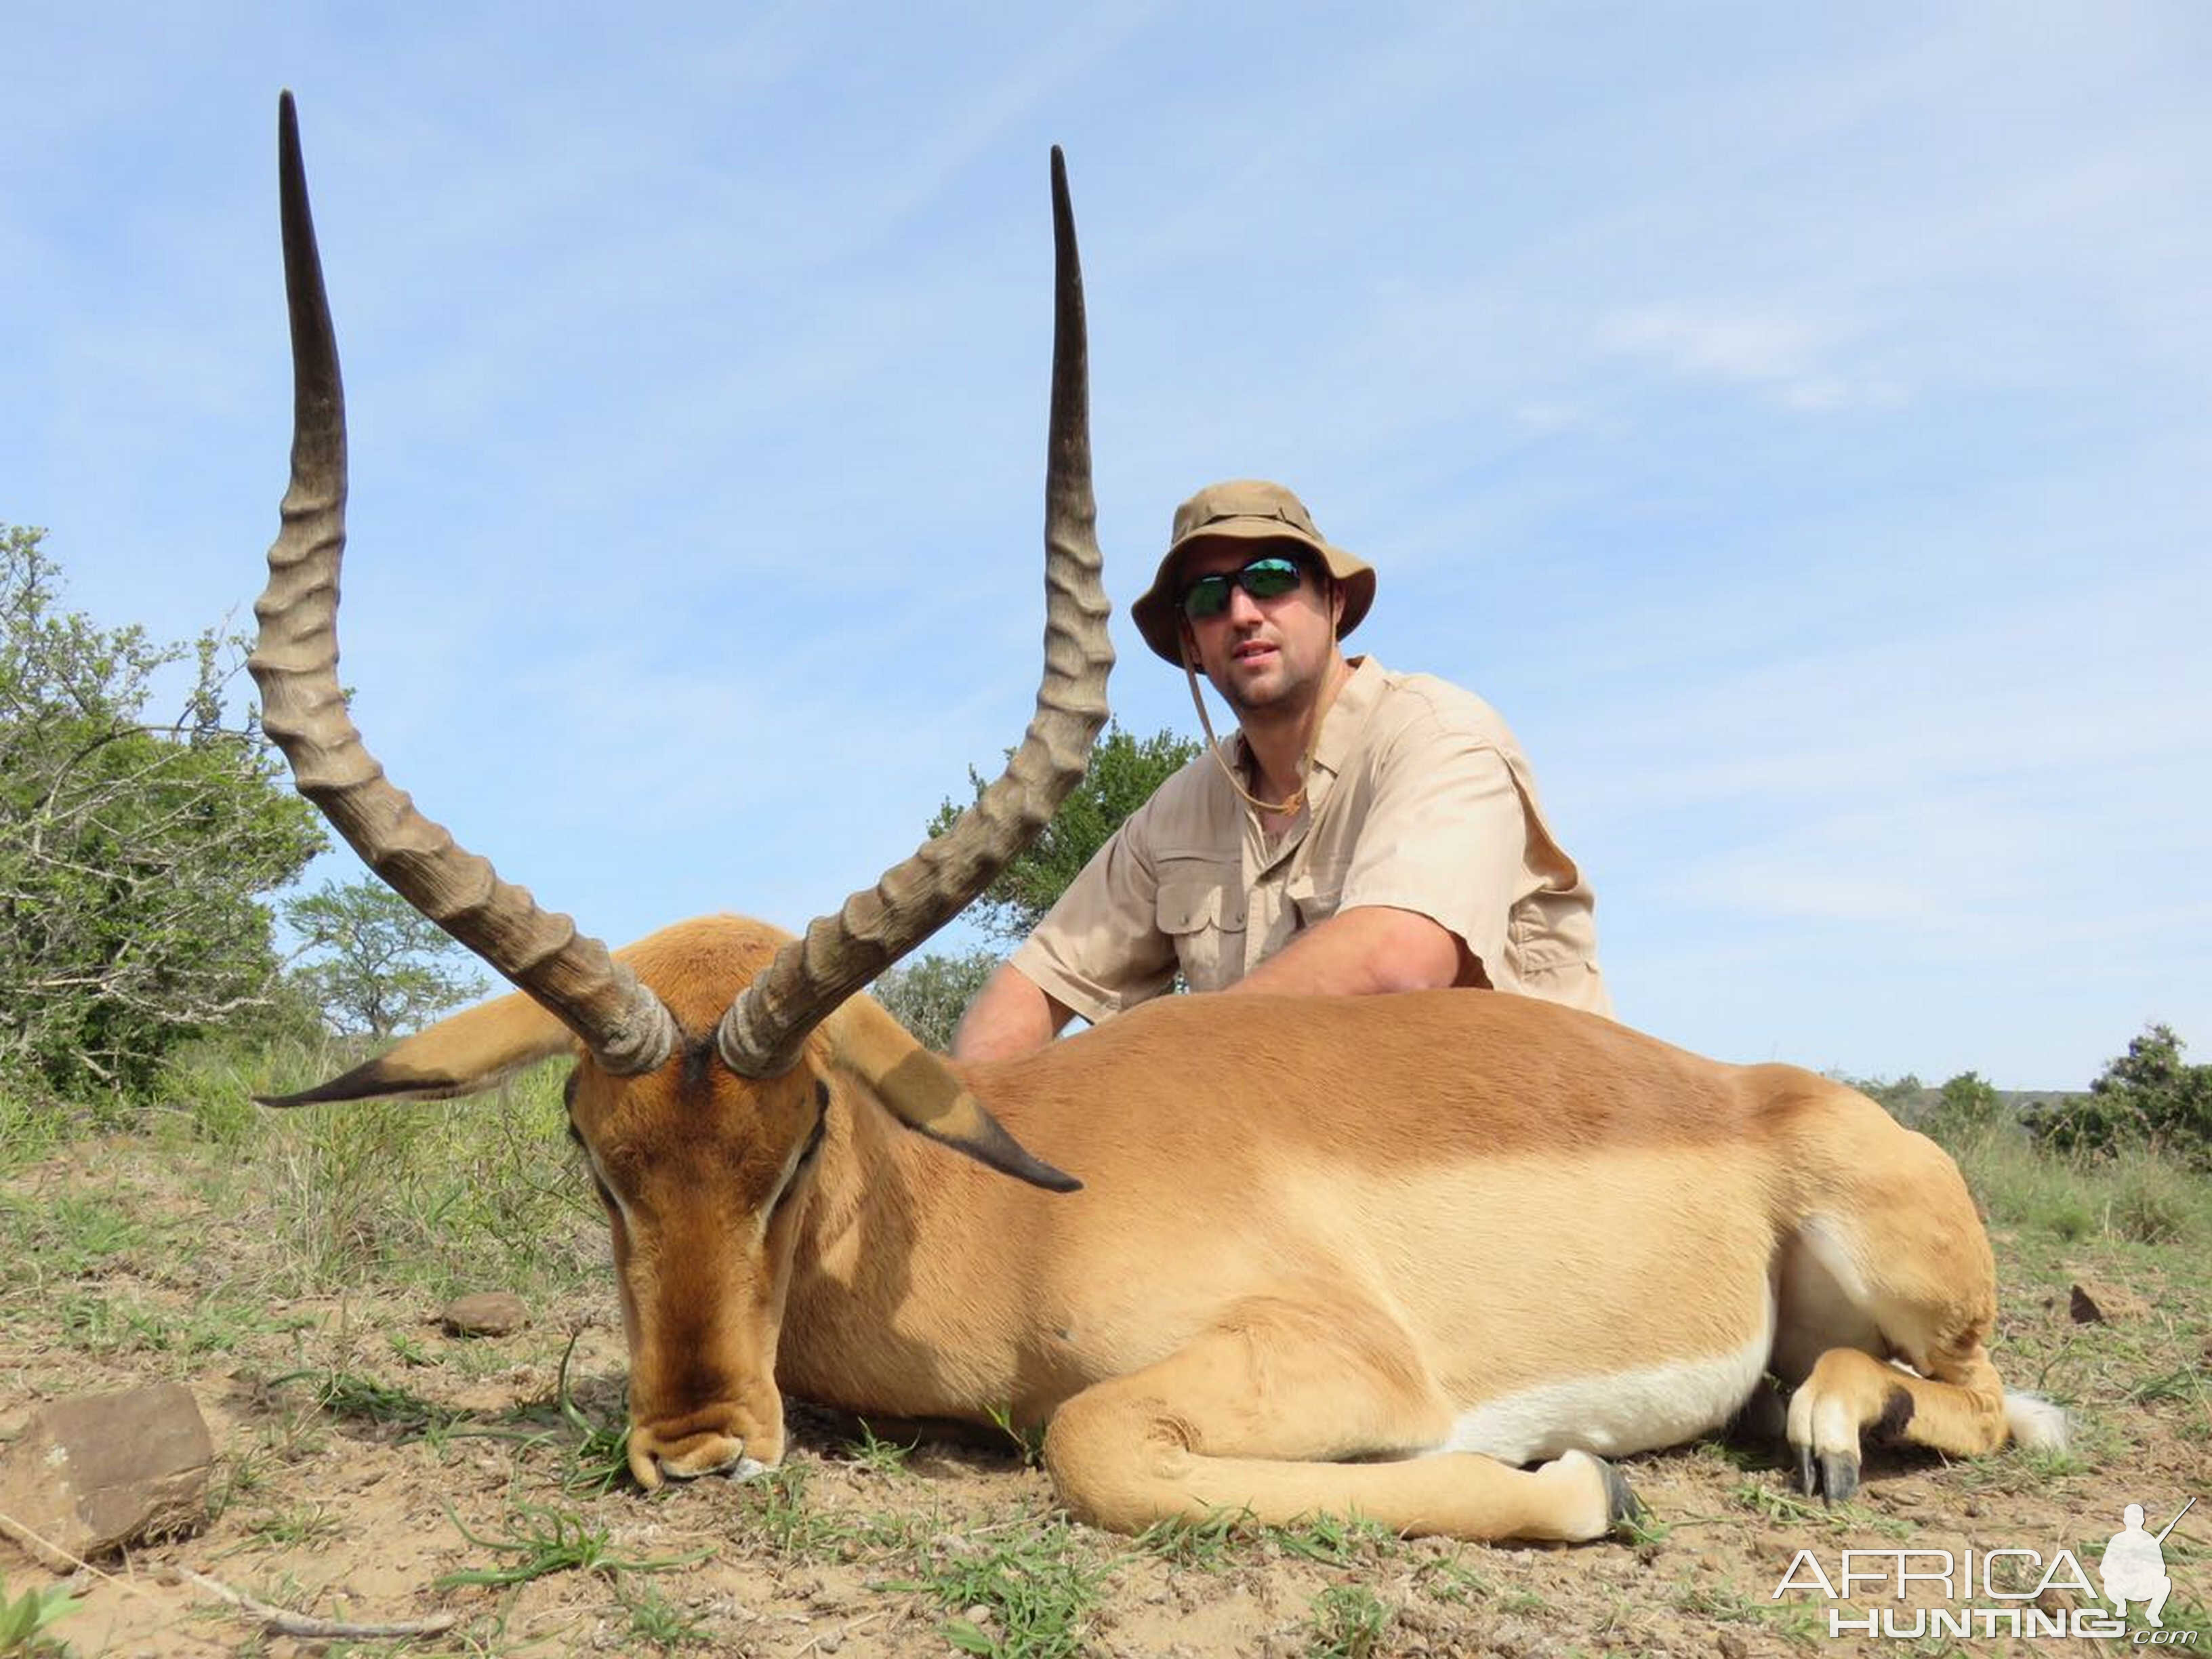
(1348, 1622)
(1026, 1588)
(879, 1456)
(1205, 1546)
(2132, 1198)
(425, 1194)
(294, 1524)
(1331, 1541)
(543, 1539)
(659, 1622)
(364, 1399)
(1451, 1581)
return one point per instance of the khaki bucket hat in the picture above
(1247, 509)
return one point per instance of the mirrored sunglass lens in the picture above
(1269, 578)
(1207, 597)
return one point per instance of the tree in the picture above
(375, 964)
(1123, 773)
(132, 853)
(930, 993)
(2147, 1097)
(1968, 1104)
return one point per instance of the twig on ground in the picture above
(285, 1623)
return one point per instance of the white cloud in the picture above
(1787, 359)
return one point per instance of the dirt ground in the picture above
(364, 1456)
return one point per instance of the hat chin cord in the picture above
(1289, 803)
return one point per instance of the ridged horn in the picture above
(294, 663)
(762, 1034)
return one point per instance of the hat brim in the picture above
(1159, 619)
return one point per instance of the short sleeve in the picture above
(1445, 836)
(1100, 949)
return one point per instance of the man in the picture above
(1364, 831)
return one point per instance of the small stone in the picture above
(93, 1474)
(486, 1313)
(1731, 1646)
(2093, 1303)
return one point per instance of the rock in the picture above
(1731, 1646)
(95, 1475)
(486, 1313)
(2093, 1303)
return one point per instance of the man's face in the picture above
(1264, 656)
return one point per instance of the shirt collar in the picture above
(1341, 726)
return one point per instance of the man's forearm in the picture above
(1362, 951)
(1012, 1015)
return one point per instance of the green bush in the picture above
(927, 994)
(2147, 1098)
(134, 851)
(1965, 1106)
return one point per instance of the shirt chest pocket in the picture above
(1314, 897)
(1203, 917)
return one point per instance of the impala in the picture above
(1428, 1259)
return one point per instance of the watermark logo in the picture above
(2134, 1566)
(1999, 1592)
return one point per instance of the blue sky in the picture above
(1794, 419)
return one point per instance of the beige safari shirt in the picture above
(1418, 798)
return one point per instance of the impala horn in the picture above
(762, 1034)
(625, 1026)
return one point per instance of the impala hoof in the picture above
(1624, 1511)
(653, 1461)
(1831, 1477)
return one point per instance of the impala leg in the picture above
(1959, 1410)
(1249, 1419)
(1892, 1262)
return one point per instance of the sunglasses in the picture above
(1267, 578)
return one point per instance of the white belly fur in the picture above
(1627, 1412)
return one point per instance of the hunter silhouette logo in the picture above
(1909, 1594)
(2134, 1567)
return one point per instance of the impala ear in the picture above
(919, 1089)
(463, 1055)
